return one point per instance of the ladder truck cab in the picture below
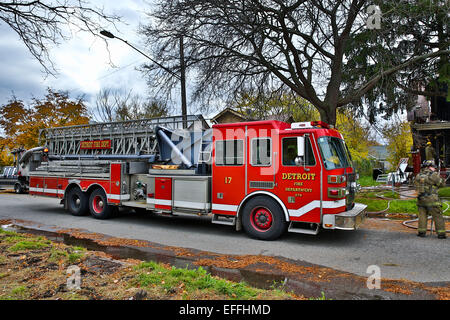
(266, 177)
(26, 161)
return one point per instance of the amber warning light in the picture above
(320, 124)
(311, 124)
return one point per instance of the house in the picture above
(432, 125)
(379, 155)
(199, 124)
(229, 115)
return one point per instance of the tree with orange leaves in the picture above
(21, 123)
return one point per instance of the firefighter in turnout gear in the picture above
(427, 184)
(430, 153)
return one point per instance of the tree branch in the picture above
(374, 80)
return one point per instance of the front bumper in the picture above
(348, 220)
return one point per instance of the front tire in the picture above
(98, 205)
(263, 219)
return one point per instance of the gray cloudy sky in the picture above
(83, 62)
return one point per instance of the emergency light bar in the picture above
(309, 125)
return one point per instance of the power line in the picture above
(120, 69)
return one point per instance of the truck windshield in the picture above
(334, 153)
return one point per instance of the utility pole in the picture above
(181, 77)
(183, 83)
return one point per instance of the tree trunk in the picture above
(328, 115)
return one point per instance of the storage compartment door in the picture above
(192, 194)
(163, 193)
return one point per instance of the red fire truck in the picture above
(265, 177)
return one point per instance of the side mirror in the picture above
(301, 146)
(300, 159)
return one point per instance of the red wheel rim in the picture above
(261, 219)
(98, 204)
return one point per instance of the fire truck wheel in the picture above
(18, 188)
(263, 219)
(77, 202)
(98, 205)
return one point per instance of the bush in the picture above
(364, 167)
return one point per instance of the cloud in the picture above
(83, 62)
(20, 73)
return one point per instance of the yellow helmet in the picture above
(428, 143)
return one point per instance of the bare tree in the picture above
(266, 46)
(108, 102)
(42, 23)
(122, 105)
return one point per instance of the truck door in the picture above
(262, 160)
(228, 185)
(300, 185)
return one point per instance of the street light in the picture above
(182, 78)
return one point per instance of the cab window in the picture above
(229, 152)
(334, 153)
(290, 152)
(261, 152)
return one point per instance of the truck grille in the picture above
(262, 184)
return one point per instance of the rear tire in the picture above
(98, 205)
(263, 219)
(77, 202)
(18, 188)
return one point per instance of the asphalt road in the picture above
(399, 255)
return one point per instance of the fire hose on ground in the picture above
(407, 222)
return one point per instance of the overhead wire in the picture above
(120, 69)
